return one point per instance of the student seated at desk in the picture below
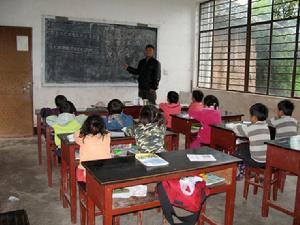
(254, 152)
(284, 123)
(59, 100)
(171, 107)
(116, 119)
(94, 142)
(65, 122)
(150, 132)
(209, 115)
(196, 104)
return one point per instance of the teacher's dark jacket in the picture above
(148, 73)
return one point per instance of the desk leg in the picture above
(64, 182)
(168, 143)
(297, 203)
(39, 138)
(90, 211)
(73, 190)
(107, 212)
(176, 142)
(230, 196)
(188, 139)
(266, 189)
(49, 163)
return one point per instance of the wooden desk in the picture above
(134, 111)
(69, 165)
(283, 154)
(224, 139)
(182, 123)
(103, 176)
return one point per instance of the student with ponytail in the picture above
(209, 115)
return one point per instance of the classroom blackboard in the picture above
(90, 52)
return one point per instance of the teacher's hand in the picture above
(125, 66)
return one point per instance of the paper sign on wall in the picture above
(22, 43)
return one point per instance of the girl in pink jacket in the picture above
(209, 115)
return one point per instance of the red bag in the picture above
(170, 195)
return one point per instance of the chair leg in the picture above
(246, 183)
(200, 220)
(116, 220)
(281, 182)
(255, 187)
(276, 184)
(140, 218)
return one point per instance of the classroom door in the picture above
(16, 115)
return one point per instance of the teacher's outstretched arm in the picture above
(134, 71)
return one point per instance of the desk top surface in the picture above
(110, 171)
(224, 115)
(64, 138)
(290, 143)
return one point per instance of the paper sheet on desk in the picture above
(201, 158)
(117, 134)
(137, 191)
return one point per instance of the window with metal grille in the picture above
(250, 46)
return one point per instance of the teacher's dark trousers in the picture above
(146, 94)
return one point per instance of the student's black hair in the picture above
(150, 46)
(65, 107)
(286, 106)
(260, 111)
(151, 114)
(198, 95)
(173, 97)
(115, 106)
(73, 108)
(59, 99)
(93, 125)
(211, 100)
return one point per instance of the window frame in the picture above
(248, 26)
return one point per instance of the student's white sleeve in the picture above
(51, 120)
(241, 130)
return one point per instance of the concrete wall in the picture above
(174, 18)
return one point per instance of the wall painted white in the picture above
(175, 19)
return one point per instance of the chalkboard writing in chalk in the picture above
(89, 52)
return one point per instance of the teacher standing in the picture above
(148, 75)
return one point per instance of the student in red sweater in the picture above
(209, 115)
(196, 105)
(172, 107)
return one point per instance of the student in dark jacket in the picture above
(148, 75)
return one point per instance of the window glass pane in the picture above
(283, 39)
(206, 16)
(261, 10)
(221, 19)
(237, 58)
(281, 77)
(220, 56)
(238, 12)
(259, 55)
(285, 9)
(205, 59)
